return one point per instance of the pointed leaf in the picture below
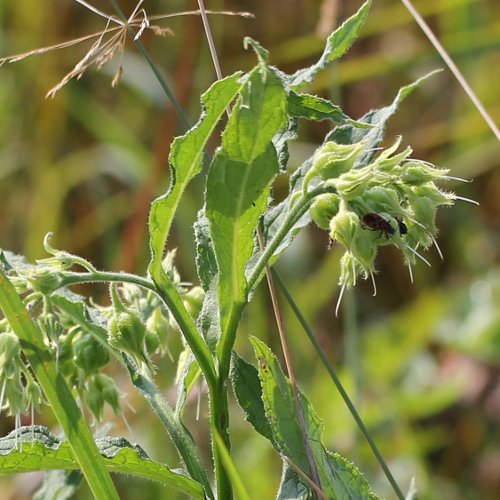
(338, 477)
(314, 108)
(337, 45)
(348, 134)
(185, 161)
(237, 195)
(248, 392)
(258, 115)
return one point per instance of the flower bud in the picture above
(324, 208)
(344, 227)
(10, 350)
(44, 280)
(94, 397)
(417, 173)
(89, 354)
(127, 332)
(157, 327)
(109, 391)
(193, 300)
(332, 159)
(424, 211)
(382, 199)
(354, 183)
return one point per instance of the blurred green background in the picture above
(421, 360)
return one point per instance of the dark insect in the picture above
(402, 226)
(376, 222)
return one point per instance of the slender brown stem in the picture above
(306, 478)
(289, 366)
(452, 66)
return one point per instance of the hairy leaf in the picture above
(349, 134)
(339, 478)
(185, 159)
(30, 449)
(337, 45)
(259, 113)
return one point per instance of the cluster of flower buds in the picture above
(392, 200)
(19, 392)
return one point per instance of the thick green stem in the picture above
(57, 392)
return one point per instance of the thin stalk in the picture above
(178, 433)
(293, 216)
(161, 80)
(289, 367)
(352, 350)
(167, 291)
(57, 392)
(452, 66)
(339, 387)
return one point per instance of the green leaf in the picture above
(337, 45)
(237, 192)
(248, 392)
(345, 480)
(37, 449)
(338, 477)
(349, 134)
(237, 195)
(206, 263)
(280, 407)
(185, 161)
(259, 113)
(314, 108)
(56, 391)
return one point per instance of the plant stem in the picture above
(57, 392)
(293, 216)
(289, 367)
(179, 434)
(154, 69)
(339, 386)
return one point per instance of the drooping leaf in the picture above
(279, 405)
(185, 161)
(37, 449)
(248, 391)
(281, 139)
(208, 321)
(337, 45)
(349, 134)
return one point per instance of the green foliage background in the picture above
(421, 360)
